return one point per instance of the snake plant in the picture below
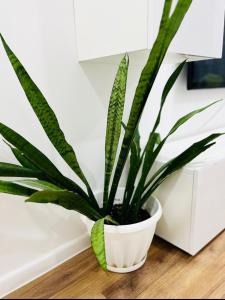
(42, 182)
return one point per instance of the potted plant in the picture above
(121, 220)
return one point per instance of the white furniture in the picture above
(106, 27)
(111, 27)
(193, 200)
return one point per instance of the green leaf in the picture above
(145, 171)
(43, 111)
(174, 22)
(179, 162)
(114, 120)
(168, 29)
(15, 189)
(136, 145)
(68, 200)
(169, 85)
(158, 138)
(151, 156)
(190, 153)
(11, 170)
(154, 138)
(177, 125)
(46, 117)
(40, 184)
(135, 163)
(172, 80)
(155, 175)
(25, 162)
(38, 159)
(190, 115)
(36, 156)
(98, 243)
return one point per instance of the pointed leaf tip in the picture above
(98, 243)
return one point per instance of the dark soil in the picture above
(117, 212)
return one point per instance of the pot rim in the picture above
(133, 227)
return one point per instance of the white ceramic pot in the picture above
(127, 246)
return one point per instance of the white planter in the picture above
(127, 246)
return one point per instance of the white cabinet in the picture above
(193, 199)
(110, 27)
(201, 33)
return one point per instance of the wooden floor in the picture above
(168, 273)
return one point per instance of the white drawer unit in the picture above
(110, 27)
(193, 199)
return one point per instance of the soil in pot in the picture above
(117, 212)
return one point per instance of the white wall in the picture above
(43, 35)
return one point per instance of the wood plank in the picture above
(190, 279)
(57, 279)
(168, 273)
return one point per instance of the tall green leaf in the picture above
(145, 170)
(115, 114)
(168, 28)
(15, 189)
(135, 163)
(11, 170)
(68, 200)
(135, 166)
(169, 85)
(98, 243)
(179, 162)
(39, 184)
(190, 115)
(177, 125)
(154, 139)
(46, 116)
(152, 155)
(174, 23)
(22, 159)
(38, 159)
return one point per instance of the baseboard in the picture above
(42, 265)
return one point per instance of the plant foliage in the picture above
(43, 183)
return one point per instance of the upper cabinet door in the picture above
(201, 33)
(109, 27)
